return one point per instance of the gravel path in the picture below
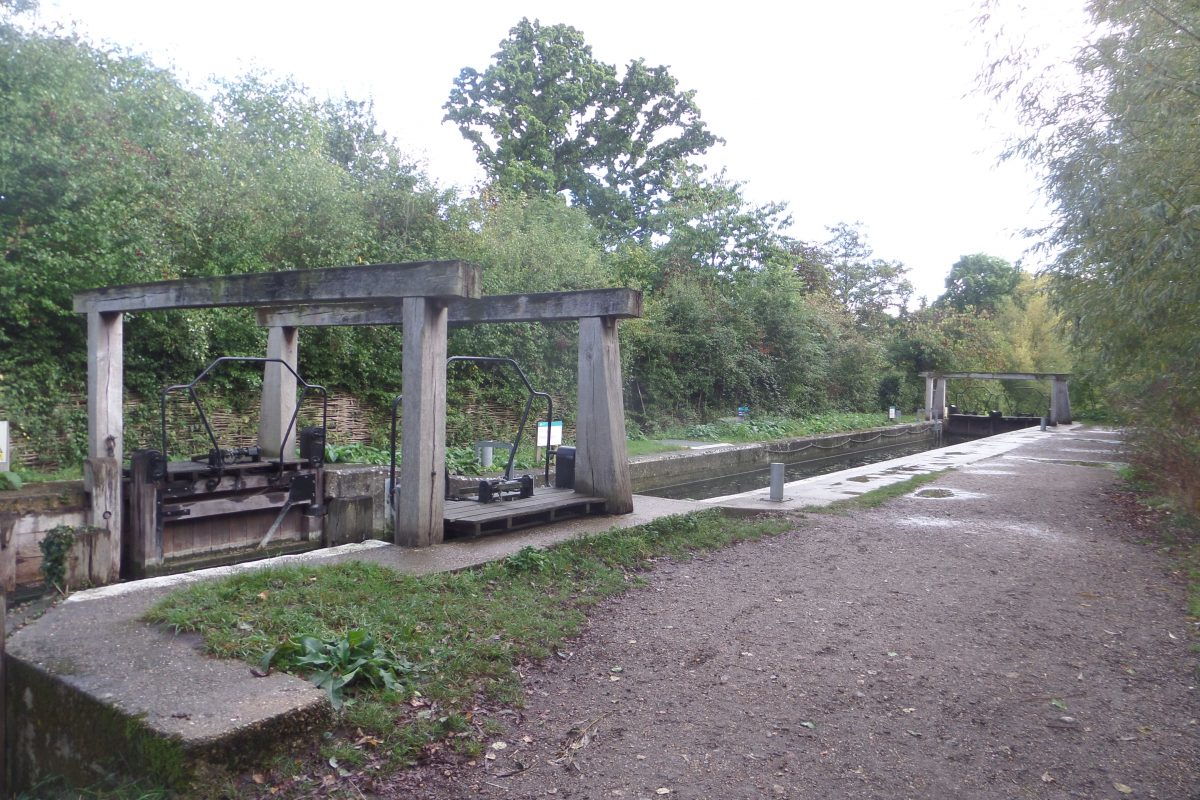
(1011, 640)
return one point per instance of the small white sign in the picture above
(4, 456)
(549, 435)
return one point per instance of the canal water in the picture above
(721, 485)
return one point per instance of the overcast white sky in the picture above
(848, 111)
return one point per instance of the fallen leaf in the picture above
(499, 745)
(1059, 704)
(1122, 788)
(259, 778)
(809, 725)
(614, 677)
(527, 739)
(1047, 777)
(663, 790)
(490, 756)
(262, 595)
(616, 669)
(892, 654)
(908, 710)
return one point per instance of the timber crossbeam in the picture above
(539, 307)
(437, 279)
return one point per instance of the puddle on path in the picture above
(975, 528)
(927, 522)
(946, 494)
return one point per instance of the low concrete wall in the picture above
(667, 469)
(26, 516)
(979, 425)
(354, 482)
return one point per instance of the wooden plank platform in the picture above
(547, 505)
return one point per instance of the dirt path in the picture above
(1013, 640)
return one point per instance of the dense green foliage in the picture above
(1119, 149)
(114, 172)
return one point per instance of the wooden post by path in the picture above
(929, 398)
(939, 398)
(279, 393)
(102, 470)
(421, 506)
(1060, 401)
(601, 466)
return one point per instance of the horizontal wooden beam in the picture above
(442, 279)
(544, 307)
(1000, 376)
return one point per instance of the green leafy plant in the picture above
(462, 461)
(356, 453)
(10, 481)
(55, 547)
(527, 559)
(336, 663)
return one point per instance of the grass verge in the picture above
(645, 447)
(54, 789)
(464, 633)
(877, 497)
(1172, 527)
(768, 428)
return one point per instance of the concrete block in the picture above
(349, 519)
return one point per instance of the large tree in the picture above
(866, 286)
(546, 115)
(980, 281)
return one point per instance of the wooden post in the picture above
(602, 459)
(279, 394)
(420, 509)
(8, 552)
(939, 398)
(145, 543)
(929, 397)
(1060, 401)
(102, 470)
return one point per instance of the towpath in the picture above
(1012, 638)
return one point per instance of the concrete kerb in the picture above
(822, 490)
(95, 689)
